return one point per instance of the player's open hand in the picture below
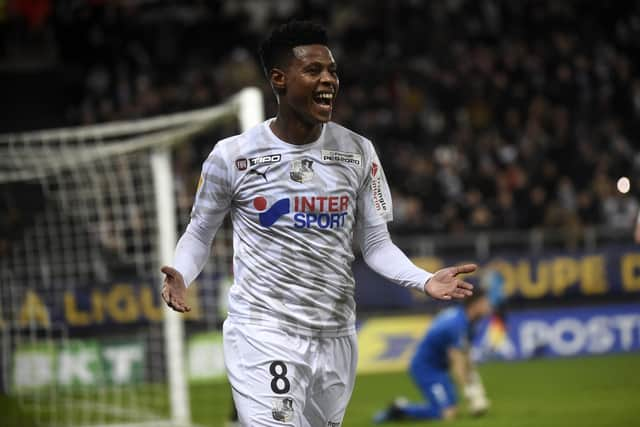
(174, 291)
(445, 284)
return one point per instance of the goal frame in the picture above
(158, 134)
(250, 112)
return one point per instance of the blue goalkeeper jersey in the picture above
(449, 329)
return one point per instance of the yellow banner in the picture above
(387, 343)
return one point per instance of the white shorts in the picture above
(282, 379)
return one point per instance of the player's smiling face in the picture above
(311, 83)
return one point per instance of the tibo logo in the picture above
(314, 211)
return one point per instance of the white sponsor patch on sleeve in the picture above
(342, 157)
(377, 190)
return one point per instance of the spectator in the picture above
(504, 115)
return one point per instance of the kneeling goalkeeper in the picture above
(445, 353)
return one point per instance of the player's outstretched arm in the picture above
(458, 365)
(174, 290)
(389, 261)
(445, 283)
(192, 251)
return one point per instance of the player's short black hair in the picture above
(278, 47)
(478, 293)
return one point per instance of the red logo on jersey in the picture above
(241, 164)
(374, 170)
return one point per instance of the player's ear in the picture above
(278, 79)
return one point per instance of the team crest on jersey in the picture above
(282, 410)
(301, 170)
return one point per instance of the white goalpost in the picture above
(91, 215)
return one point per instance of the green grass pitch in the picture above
(587, 392)
(601, 391)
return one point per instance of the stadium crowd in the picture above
(487, 115)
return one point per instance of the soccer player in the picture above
(299, 189)
(442, 354)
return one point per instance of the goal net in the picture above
(89, 215)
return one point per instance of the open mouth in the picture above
(324, 99)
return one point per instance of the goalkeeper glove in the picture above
(476, 396)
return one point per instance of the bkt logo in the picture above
(309, 212)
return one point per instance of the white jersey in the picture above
(294, 209)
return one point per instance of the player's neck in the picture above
(294, 131)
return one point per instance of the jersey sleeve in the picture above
(386, 259)
(213, 197)
(374, 197)
(212, 202)
(459, 341)
(459, 337)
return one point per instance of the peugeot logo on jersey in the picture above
(308, 211)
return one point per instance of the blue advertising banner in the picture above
(388, 343)
(574, 331)
(554, 276)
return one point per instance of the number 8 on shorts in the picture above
(280, 383)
